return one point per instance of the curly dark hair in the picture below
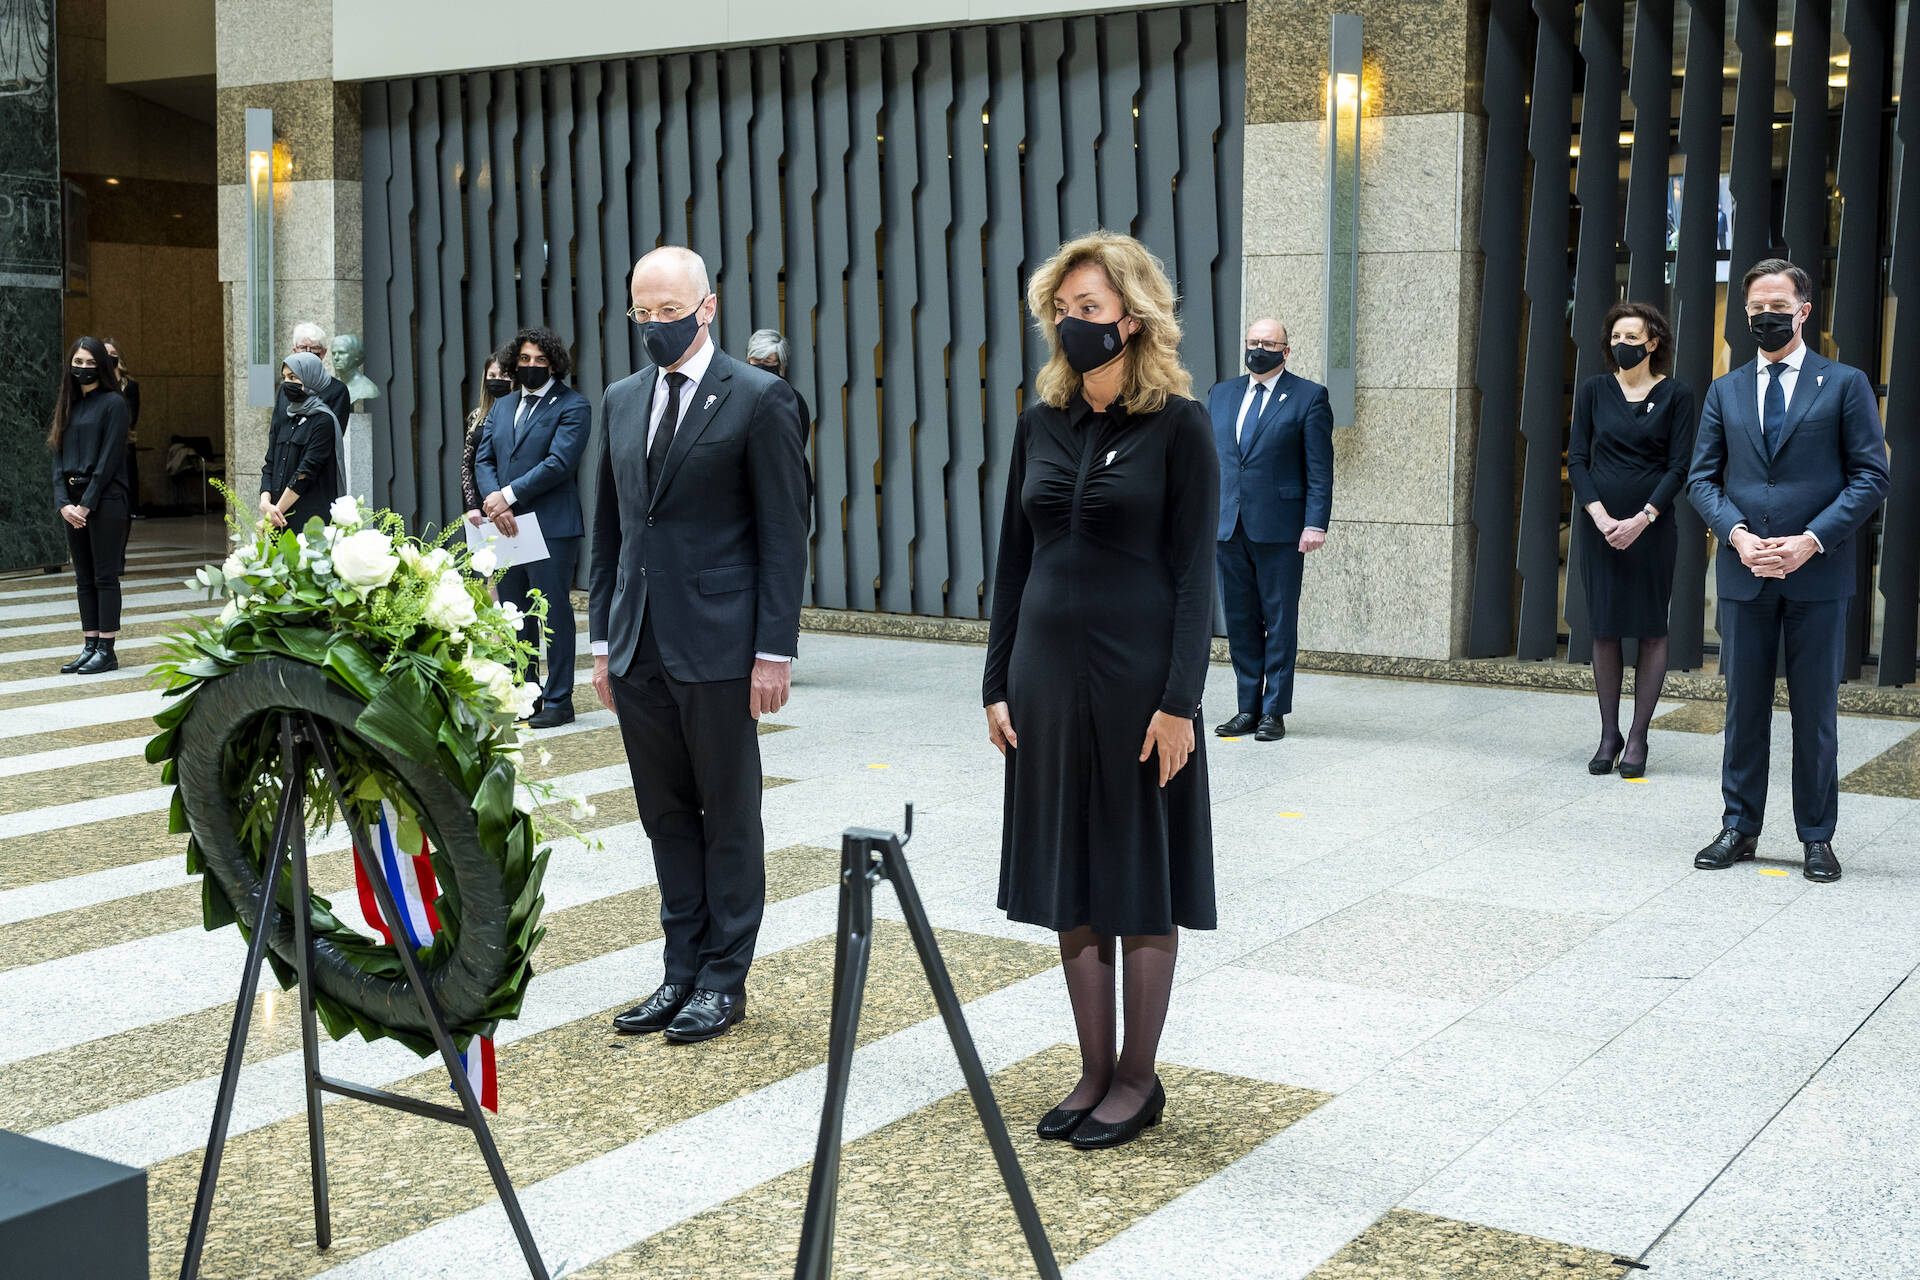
(1657, 330)
(551, 346)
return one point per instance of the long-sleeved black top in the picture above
(300, 456)
(94, 445)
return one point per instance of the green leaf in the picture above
(400, 719)
(353, 667)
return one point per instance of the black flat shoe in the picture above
(1603, 763)
(79, 659)
(656, 1012)
(1238, 727)
(1729, 847)
(1822, 867)
(1058, 1124)
(1272, 729)
(705, 1015)
(1093, 1134)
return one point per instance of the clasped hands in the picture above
(1772, 557)
(270, 512)
(1169, 736)
(1620, 534)
(74, 514)
(497, 509)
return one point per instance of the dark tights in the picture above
(1649, 675)
(1117, 1086)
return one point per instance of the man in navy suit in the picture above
(527, 460)
(1790, 461)
(1274, 433)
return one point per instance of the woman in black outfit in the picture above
(496, 380)
(1096, 660)
(89, 444)
(301, 477)
(130, 388)
(1627, 460)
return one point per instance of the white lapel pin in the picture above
(709, 403)
(1282, 399)
(1110, 456)
(1819, 379)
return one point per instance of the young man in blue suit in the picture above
(1791, 460)
(1274, 434)
(528, 460)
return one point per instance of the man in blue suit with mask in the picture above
(528, 460)
(1274, 433)
(1790, 461)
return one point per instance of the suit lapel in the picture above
(1275, 395)
(1815, 373)
(1747, 407)
(1223, 425)
(708, 396)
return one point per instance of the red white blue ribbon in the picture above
(410, 876)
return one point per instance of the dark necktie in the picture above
(1776, 403)
(520, 419)
(1259, 407)
(663, 435)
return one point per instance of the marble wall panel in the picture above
(1399, 461)
(1385, 588)
(271, 41)
(1422, 56)
(303, 122)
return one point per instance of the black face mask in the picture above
(668, 340)
(85, 375)
(294, 390)
(1628, 355)
(1087, 345)
(1262, 361)
(1771, 329)
(532, 377)
(497, 387)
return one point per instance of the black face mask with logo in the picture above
(1087, 345)
(1628, 355)
(1262, 361)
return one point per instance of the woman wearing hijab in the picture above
(301, 477)
(89, 444)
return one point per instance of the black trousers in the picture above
(99, 554)
(1751, 632)
(553, 578)
(694, 751)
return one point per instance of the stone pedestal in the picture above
(67, 1214)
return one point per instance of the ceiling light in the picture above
(113, 182)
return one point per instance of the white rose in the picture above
(493, 677)
(365, 559)
(345, 511)
(523, 700)
(229, 613)
(411, 559)
(235, 567)
(437, 559)
(485, 562)
(450, 607)
(511, 612)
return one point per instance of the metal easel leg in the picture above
(309, 1031)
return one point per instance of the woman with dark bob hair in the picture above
(89, 444)
(1627, 461)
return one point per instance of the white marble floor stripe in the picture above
(97, 887)
(66, 608)
(59, 683)
(68, 757)
(162, 578)
(59, 653)
(59, 817)
(72, 624)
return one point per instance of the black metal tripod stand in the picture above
(866, 858)
(301, 734)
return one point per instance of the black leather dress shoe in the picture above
(707, 1014)
(86, 651)
(1238, 727)
(1821, 866)
(101, 659)
(656, 1012)
(1093, 1134)
(1272, 729)
(1729, 847)
(552, 715)
(1058, 1124)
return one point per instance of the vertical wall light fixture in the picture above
(262, 364)
(1343, 212)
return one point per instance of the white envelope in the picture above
(524, 547)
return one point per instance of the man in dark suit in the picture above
(699, 565)
(528, 460)
(1274, 433)
(1791, 460)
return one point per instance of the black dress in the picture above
(1625, 454)
(1103, 615)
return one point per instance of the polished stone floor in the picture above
(1470, 1012)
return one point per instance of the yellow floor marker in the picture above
(1292, 815)
(1229, 739)
(1770, 871)
(879, 766)
(1641, 781)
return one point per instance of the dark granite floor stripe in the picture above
(1894, 772)
(81, 736)
(568, 1094)
(923, 1194)
(47, 639)
(68, 1083)
(72, 782)
(80, 688)
(1404, 1245)
(1694, 717)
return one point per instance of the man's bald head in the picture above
(671, 269)
(1266, 329)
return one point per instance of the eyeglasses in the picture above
(1267, 346)
(666, 315)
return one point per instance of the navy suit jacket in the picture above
(543, 466)
(1824, 472)
(1278, 478)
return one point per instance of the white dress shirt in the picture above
(1789, 379)
(1254, 382)
(528, 402)
(694, 368)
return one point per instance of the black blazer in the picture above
(543, 466)
(1824, 473)
(716, 558)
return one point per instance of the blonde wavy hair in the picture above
(1152, 370)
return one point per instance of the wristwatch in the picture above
(1649, 512)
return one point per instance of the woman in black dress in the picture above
(301, 477)
(1627, 461)
(495, 381)
(89, 443)
(1096, 660)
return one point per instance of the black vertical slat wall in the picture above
(881, 200)
(1793, 106)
